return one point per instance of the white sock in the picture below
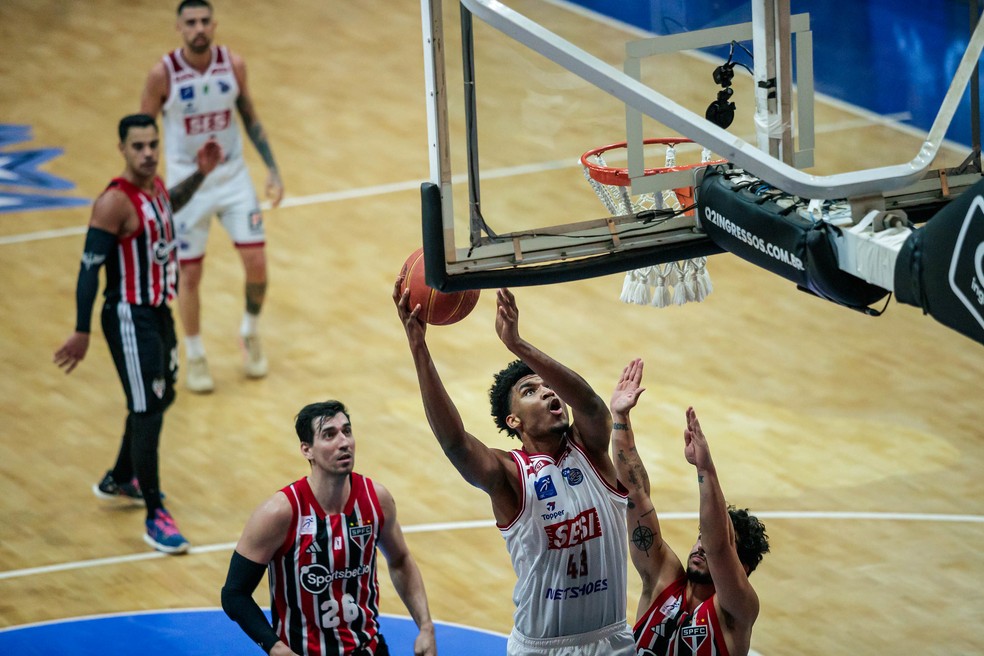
(194, 348)
(250, 325)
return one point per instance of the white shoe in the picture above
(198, 379)
(256, 362)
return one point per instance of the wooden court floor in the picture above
(858, 439)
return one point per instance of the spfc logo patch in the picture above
(360, 534)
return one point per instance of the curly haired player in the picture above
(556, 499)
(708, 608)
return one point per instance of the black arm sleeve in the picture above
(238, 603)
(98, 245)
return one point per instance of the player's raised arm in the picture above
(652, 558)
(735, 594)
(590, 413)
(491, 470)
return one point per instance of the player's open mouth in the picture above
(556, 407)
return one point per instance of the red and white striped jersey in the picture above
(323, 588)
(668, 630)
(568, 546)
(144, 269)
(201, 105)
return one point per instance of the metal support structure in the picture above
(636, 51)
(687, 123)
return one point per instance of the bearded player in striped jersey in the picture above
(132, 232)
(709, 607)
(316, 539)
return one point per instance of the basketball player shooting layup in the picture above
(197, 87)
(555, 499)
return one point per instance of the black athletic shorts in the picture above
(145, 350)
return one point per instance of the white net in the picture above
(659, 285)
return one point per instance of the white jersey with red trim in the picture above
(324, 594)
(568, 547)
(201, 105)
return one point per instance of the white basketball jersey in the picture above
(200, 106)
(568, 546)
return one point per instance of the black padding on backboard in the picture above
(755, 228)
(438, 277)
(940, 267)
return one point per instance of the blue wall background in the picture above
(887, 56)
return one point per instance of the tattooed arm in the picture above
(656, 563)
(251, 123)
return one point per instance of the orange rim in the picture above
(619, 176)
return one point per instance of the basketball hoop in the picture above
(661, 284)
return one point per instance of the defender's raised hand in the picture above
(695, 447)
(628, 390)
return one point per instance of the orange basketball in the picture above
(436, 308)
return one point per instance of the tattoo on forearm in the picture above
(620, 426)
(255, 293)
(259, 139)
(700, 479)
(182, 192)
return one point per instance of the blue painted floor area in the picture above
(888, 56)
(205, 632)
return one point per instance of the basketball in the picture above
(436, 308)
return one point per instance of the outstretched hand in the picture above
(209, 156)
(628, 390)
(695, 446)
(412, 323)
(506, 317)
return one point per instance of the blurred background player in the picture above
(555, 499)
(197, 87)
(317, 538)
(707, 609)
(131, 232)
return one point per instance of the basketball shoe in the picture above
(163, 534)
(256, 362)
(108, 488)
(198, 379)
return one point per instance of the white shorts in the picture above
(612, 640)
(234, 202)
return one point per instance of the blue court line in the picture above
(205, 632)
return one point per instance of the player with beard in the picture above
(200, 88)
(556, 499)
(707, 609)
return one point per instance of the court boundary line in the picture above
(489, 523)
(201, 609)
